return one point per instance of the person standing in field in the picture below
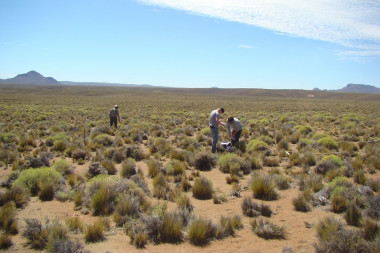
(114, 116)
(213, 123)
(234, 129)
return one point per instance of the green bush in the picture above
(102, 201)
(328, 143)
(31, 178)
(256, 145)
(203, 188)
(334, 159)
(232, 163)
(339, 203)
(63, 167)
(103, 139)
(302, 129)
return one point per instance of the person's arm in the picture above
(228, 130)
(220, 122)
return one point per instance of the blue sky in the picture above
(273, 44)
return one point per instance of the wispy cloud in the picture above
(354, 23)
(246, 46)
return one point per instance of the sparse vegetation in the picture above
(322, 151)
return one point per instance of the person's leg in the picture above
(236, 139)
(111, 121)
(215, 137)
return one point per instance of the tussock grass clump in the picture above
(128, 168)
(219, 198)
(175, 167)
(102, 201)
(161, 188)
(95, 232)
(371, 229)
(127, 207)
(5, 241)
(353, 214)
(302, 129)
(204, 161)
(109, 166)
(19, 195)
(201, 231)
(301, 203)
(264, 187)
(227, 226)
(203, 188)
(8, 222)
(359, 177)
(268, 230)
(339, 203)
(46, 192)
(75, 224)
(327, 228)
(154, 167)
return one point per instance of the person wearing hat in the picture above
(213, 123)
(114, 116)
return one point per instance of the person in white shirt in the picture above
(234, 129)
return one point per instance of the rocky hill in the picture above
(32, 77)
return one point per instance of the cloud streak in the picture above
(354, 23)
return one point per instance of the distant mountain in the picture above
(359, 88)
(32, 77)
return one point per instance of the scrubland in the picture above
(304, 177)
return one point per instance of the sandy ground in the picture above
(299, 236)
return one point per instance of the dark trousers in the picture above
(236, 138)
(113, 121)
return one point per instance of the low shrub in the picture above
(109, 166)
(103, 139)
(203, 188)
(161, 188)
(204, 161)
(256, 145)
(232, 163)
(268, 230)
(5, 241)
(328, 143)
(36, 234)
(63, 167)
(127, 207)
(227, 226)
(134, 152)
(251, 209)
(359, 177)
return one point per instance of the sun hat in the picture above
(116, 106)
